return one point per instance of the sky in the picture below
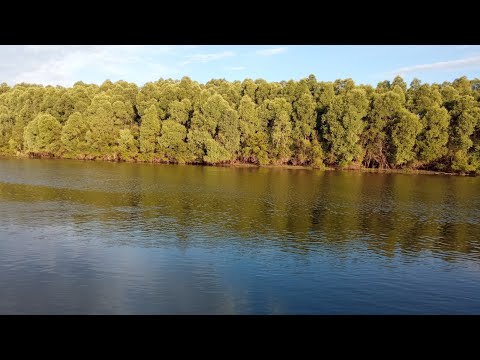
(365, 64)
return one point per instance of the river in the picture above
(119, 238)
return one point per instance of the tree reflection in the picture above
(297, 210)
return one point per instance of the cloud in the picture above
(236, 68)
(44, 48)
(66, 64)
(204, 58)
(272, 51)
(441, 65)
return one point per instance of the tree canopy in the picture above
(306, 122)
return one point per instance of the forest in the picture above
(312, 123)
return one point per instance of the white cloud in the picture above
(272, 51)
(44, 48)
(203, 58)
(236, 68)
(66, 64)
(473, 61)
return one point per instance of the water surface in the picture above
(115, 238)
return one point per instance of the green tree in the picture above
(404, 134)
(305, 118)
(121, 114)
(149, 131)
(317, 154)
(229, 131)
(16, 140)
(214, 120)
(215, 153)
(278, 112)
(398, 81)
(179, 111)
(422, 98)
(463, 86)
(172, 142)
(42, 135)
(64, 107)
(73, 135)
(7, 122)
(101, 135)
(127, 145)
(254, 138)
(343, 124)
(380, 120)
(306, 122)
(432, 142)
(249, 88)
(464, 145)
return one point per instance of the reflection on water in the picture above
(86, 237)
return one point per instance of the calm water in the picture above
(102, 238)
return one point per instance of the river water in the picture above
(116, 238)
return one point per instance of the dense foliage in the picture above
(306, 122)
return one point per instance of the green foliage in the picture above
(278, 112)
(381, 117)
(172, 142)
(303, 122)
(254, 137)
(179, 111)
(101, 135)
(464, 133)
(73, 135)
(127, 145)
(215, 153)
(16, 140)
(42, 135)
(317, 154)
(398, 81)
(462, 162)
(404, 134)
(149, 130)
(463, 86)
(343, 124)
(215, 120)
(432, 143)
(6, 127)
(229, 131)
(422, 98)
(305, 119)
(121, 114)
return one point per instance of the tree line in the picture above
(305, 122)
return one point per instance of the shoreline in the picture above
(270, 166)
(346, 169)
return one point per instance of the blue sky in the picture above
(369, 64)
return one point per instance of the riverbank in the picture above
(271, 166)
(349, 169)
